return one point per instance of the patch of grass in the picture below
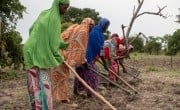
(177, 71)
(7, 106)
(11, 74)
(153, 68)
(138, 56)
(173, 72)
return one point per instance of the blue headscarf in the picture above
(96, 40)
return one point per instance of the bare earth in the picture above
(158, 90)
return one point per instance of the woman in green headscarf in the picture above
(41, 52)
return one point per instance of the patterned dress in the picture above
(77, 37)
(39, 88)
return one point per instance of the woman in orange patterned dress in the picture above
(77, 37)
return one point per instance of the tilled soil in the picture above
(158, 89)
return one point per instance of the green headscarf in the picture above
(63, 1)
(42, 47)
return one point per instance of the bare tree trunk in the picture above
(136, 14)
(133, 18)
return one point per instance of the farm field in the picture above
(159, 89)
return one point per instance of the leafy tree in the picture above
(153, 45)
(174, 43)
(14, 48)
(76, 15)
(178, 17)
(165, 42)
(10, 12)
(10, 40)
(138, 43)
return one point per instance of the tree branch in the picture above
(135, 38)
(155, 13)
(134, 17)
(139, 1)
(134, 9)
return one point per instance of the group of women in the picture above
(45, 52)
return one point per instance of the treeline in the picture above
(167, 44)
(11, 41)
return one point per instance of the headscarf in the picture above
(114, 35)
(87, 21)
(42, 47)
(77, 37)
(96, 40)
(63, 1)
(103, 23)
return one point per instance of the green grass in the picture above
(138, 56)
(11, 74)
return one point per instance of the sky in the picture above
(117, 11)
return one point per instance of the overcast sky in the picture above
(117, 11)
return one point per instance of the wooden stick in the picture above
(132, 68)
(124, 81)
(124, 36)
(109, 80)
(120, 78)
(135, 38)
(89, 88)
(130, 74)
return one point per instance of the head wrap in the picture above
(88, 21)
(96, 40)
(103, 22)
(63, 1)
(42, 47)
(114, 35)
(77, 37)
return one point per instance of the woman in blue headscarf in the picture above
(95, 43)
(96, 40)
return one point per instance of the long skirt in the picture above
(88, 76)
(60, 85)
(39, 89)
(114, 68)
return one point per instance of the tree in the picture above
(10, 12)
(14, 48)
(76, 15)
(165, 40)
(178, 17)
(137, 14)
(138, 43)
(174, 43)
(10, 40)
(153, 45)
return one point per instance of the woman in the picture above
(109, 52)
(77, 37)
(41, 52)
(95, 44)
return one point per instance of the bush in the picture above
(9, 74)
